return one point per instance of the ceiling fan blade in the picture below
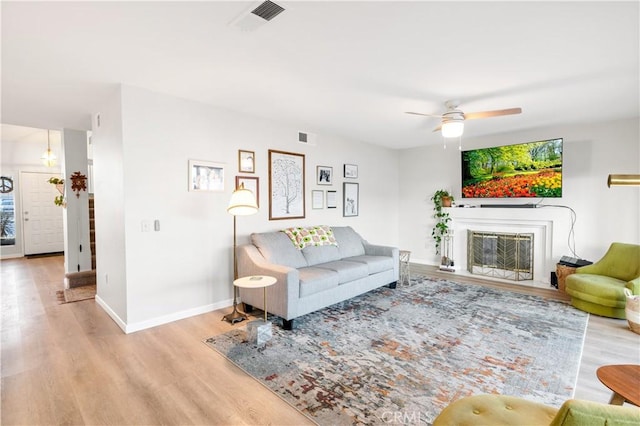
(437, 129)
(487, 114)
(426, 115)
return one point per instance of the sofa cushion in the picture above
(349, 241)
(320, 254)
(374, 264)
(347, 271)
(276, 248)
(314, 280)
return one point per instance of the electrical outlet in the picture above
(146, 225)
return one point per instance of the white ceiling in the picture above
(344, 68)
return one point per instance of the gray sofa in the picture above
(314, 277)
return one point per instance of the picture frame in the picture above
(324, 175)
(350, 200)
(251, 183)
(246, 161)
(351, 171)
(317, 199)
(286, 185)
(206, 176)
(332, 199)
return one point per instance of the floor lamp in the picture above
(242, 203)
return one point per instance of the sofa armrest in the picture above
(378, 250)
(283, 295)
(634, 286)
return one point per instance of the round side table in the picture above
(623, 380)
(257, 281)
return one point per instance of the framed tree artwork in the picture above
(350, 200)
(286, 185)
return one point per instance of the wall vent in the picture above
(307, 138)
(256, 16)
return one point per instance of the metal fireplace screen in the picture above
(501, 255)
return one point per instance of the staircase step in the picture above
(79, 279)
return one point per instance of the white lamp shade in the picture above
(242, 203)
(452, 129)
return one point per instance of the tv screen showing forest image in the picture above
(524, 170)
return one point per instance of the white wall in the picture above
(108, 174)
(591, 153)
(186, 267)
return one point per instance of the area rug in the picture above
(76, 294)
(406, 353)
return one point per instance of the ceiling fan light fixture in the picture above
(452, 128)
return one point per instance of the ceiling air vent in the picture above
(267, 10)
(257, 16)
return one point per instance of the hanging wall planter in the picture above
(59, 184)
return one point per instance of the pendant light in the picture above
(49, 158)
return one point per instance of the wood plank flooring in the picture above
(70, 363)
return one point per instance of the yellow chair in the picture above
(497, 410)
(599, 288)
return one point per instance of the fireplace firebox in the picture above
(501, 255)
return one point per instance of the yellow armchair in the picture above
(599, 288)
(497, 410)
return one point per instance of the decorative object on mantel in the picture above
(441, 198)
(78, 183)
(59, 183)
(623, 180)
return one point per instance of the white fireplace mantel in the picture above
(543, 223)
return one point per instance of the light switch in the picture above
(156, 225)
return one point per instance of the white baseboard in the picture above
(164, 319)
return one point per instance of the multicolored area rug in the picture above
(402, 355)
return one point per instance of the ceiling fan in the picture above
(452, 124)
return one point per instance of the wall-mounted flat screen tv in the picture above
(532, 169)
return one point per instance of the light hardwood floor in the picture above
(70, 363)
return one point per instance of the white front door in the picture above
(41, 218)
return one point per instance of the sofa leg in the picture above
(287, 324)
(247, 308)
(393, 284)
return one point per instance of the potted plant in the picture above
(441, 198)
(59, 183)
